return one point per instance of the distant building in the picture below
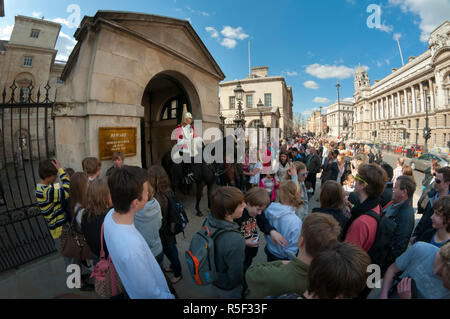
(343, 126)
(394, 109)
(271, 92)
(29, 58)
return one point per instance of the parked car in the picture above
(424, 162)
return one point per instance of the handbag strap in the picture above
(102, 251)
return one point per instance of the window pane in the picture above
(250, 101)
(232, 102)
(34, 33)
(268, 99)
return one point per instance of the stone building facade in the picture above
(395, 107)
(270, 92)
(343, 126)
(29, 58)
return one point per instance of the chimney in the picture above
(260, 71)
(411, 58)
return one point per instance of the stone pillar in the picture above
(431, 86)
(441, 98)
(414, 101)
(388, 109)
(378, 114)
(405, 93)
(399, 104)
(422, 98)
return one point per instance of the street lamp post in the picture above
(427, 131)
(239, 95)
(321, 120)
(339, 109)
(222, 120)
(260, 105)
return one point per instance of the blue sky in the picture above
(313, 44)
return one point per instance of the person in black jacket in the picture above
(313, 165)
(332, 202)
(386, 196)
(441, 188)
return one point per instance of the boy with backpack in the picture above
(369, 228)
(216, 254)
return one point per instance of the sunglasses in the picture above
(361, 180)
(438, 181)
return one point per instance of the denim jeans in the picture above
(171, 251)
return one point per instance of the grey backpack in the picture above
(200, 256)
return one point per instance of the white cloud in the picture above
(203, 13)
(397, 36)
(36, 14)
(213, 32)
(386, 28)
(311, 85)
(230, 36)
(64, 45)
(321, 100)
(432, 13)
(234, 33)
(290, 73)
(5, 32)
(228, 43)
(331, 71)
(61, 21)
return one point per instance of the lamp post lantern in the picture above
(239, 95)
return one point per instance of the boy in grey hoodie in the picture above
(148, 221)
(227, 204)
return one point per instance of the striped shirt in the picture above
(50, 202)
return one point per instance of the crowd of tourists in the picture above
(365, 216)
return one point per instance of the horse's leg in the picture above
(199, 191)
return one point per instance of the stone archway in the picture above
(123, 70)
(167, 96)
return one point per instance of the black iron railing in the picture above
(26, 138)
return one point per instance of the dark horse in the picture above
(204, 174)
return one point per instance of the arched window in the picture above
(173, 109)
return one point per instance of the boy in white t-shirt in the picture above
(138, 269)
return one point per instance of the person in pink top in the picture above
(270, 185)
(370, 183)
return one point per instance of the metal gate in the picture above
(26, 137)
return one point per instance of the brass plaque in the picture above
(113, 139)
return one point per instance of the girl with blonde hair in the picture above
(282, 216)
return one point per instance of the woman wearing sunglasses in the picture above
(441, 188)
